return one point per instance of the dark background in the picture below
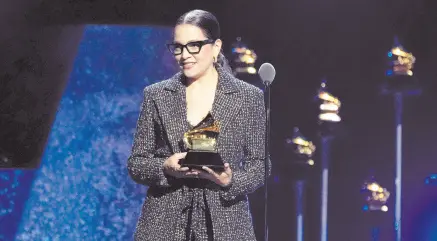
(345, 42)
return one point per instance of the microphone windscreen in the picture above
(267, 72)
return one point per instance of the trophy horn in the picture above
(200, 133)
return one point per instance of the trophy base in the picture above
(407, 85)
(197, 159)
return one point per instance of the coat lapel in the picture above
(227, 100)
(171, 106)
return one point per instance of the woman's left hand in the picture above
(221, 178)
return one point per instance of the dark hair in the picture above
(210, 27)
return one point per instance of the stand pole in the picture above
(267, 160)
(398, 181)
(375, 234)
(300, 185)
(326, 142)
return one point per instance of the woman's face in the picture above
(202, 55)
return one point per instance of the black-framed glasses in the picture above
(192, 47)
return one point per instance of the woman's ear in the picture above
(217, 47)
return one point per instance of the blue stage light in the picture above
(82, 190)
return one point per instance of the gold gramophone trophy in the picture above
(399, 74)
(202, 148)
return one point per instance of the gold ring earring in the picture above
(214, 59)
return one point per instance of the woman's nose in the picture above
(185, 54)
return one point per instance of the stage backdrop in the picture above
(82, 190)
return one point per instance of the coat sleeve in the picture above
(250, 177)
(143, 165)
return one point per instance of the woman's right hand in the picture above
(172, 167)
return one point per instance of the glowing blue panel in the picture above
(82, 191)
(14, 191)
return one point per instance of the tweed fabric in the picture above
(239, 109)
(198, 223)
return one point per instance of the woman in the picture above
(184, 204)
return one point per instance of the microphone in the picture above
(267, 74)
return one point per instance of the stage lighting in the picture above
(302, 147)
(243, 58)
(330, 106)
(376, 196)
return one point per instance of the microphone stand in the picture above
(267, 156)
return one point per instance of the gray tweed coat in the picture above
(239, 108)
